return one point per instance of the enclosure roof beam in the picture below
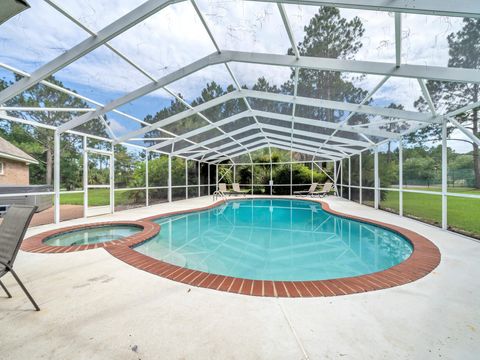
(373, 125)
(278, 144)
(261, 146)
(214, 160)
(4, 116)
(278, 129)
(44, 109)
(299, 144)
(288, 28)
(258, 147)
(339, 105)
(313, 144)
(426, 95)
(217, 138)
(109, 32)
(303, 148)
(76, 95)
(277, 138)
(463, 109)
(234, 150)
(346, 141)
(245, 130)
(222, 147)
(200, 130)
(333, 150)
(357, 66)
(466, 132)
(232, 147)
(229, 147)
(398, 39)
(460, 8)
(324, 124)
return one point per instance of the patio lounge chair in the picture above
(12, 231)
(222, 187)
(310, 191)
(327, 187)
(238, 191)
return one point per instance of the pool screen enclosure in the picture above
(346, 136)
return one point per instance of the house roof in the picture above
(10, 151)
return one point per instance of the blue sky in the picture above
(175, 37)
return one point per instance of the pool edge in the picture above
(424, 259)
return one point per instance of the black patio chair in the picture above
(12, 231)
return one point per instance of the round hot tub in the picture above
(93, 235)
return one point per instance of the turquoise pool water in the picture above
(93, 235)
(275, 240)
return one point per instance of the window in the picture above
(1, 168)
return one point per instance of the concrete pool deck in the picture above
(94, 306)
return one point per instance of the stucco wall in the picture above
(14, 173)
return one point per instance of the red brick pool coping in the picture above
(37, 244)
(423, 260)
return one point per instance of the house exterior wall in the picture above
(14, 173)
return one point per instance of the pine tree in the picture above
(329, 35)
(464, 52)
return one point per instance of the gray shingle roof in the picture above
(10, 151)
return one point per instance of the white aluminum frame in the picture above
(288, 138)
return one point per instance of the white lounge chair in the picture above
(238, 191)
(222, 187)
(310, 191)
(327, 187)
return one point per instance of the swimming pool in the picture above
(92, 235)
(277, 239)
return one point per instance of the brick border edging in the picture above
(36, 243)
(423, 260)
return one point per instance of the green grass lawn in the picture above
(461, 211)
(96, 197)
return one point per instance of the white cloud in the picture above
(117, 127)
(400, 91)
(36, 36)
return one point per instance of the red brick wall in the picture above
(14, 173)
